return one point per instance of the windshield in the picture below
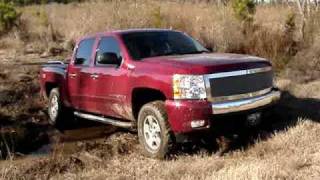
(150, 44)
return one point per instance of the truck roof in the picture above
(127, 31)
(140, 30)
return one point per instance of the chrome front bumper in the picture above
(246, 104)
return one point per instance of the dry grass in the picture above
(56, 26)
(213, 24)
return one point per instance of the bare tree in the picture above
(304, 11)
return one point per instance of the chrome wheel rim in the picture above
(152, 132)
(53, 107)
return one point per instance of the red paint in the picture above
(181, 113)
(111, 93)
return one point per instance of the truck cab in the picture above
(160, 82)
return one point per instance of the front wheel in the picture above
(154, 130)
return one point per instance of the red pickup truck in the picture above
(161, 82)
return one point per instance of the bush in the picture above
(8, 17)
(244, 9)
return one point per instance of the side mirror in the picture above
(210, 49)
(108, 58)
(79, 61)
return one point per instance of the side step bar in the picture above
(104, 120)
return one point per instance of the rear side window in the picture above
(84, 52)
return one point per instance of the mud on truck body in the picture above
(161, 82)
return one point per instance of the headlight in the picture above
(189, 87)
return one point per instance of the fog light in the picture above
(198, 123)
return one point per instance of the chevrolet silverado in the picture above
(160, 82)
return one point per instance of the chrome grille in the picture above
(241, 84)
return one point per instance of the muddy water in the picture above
(19, 139)
(68, 141)
(38, 140)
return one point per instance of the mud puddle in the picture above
(70, 141)
(19, 140)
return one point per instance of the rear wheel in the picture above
(154, 130)
(56, 110)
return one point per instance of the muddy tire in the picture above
(56, 110)
(55, 107)
(154, 131)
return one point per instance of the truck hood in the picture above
(213, 62)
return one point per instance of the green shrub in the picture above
(290, 23)
(21, 2)
(43, 18)
(244, 9)
(157, 18)
(8, 17)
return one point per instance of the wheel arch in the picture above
(49, 86)
(142, 96)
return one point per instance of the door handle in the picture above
(94, 76)
(131, 67)
(72, 75)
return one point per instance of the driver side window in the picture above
(108, 52)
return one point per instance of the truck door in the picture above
(110, 78)
(78, 84)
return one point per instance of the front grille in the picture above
(238, 86)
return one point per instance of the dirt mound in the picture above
(101, 149)
(117, 144)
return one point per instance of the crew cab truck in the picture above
(161, 82)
